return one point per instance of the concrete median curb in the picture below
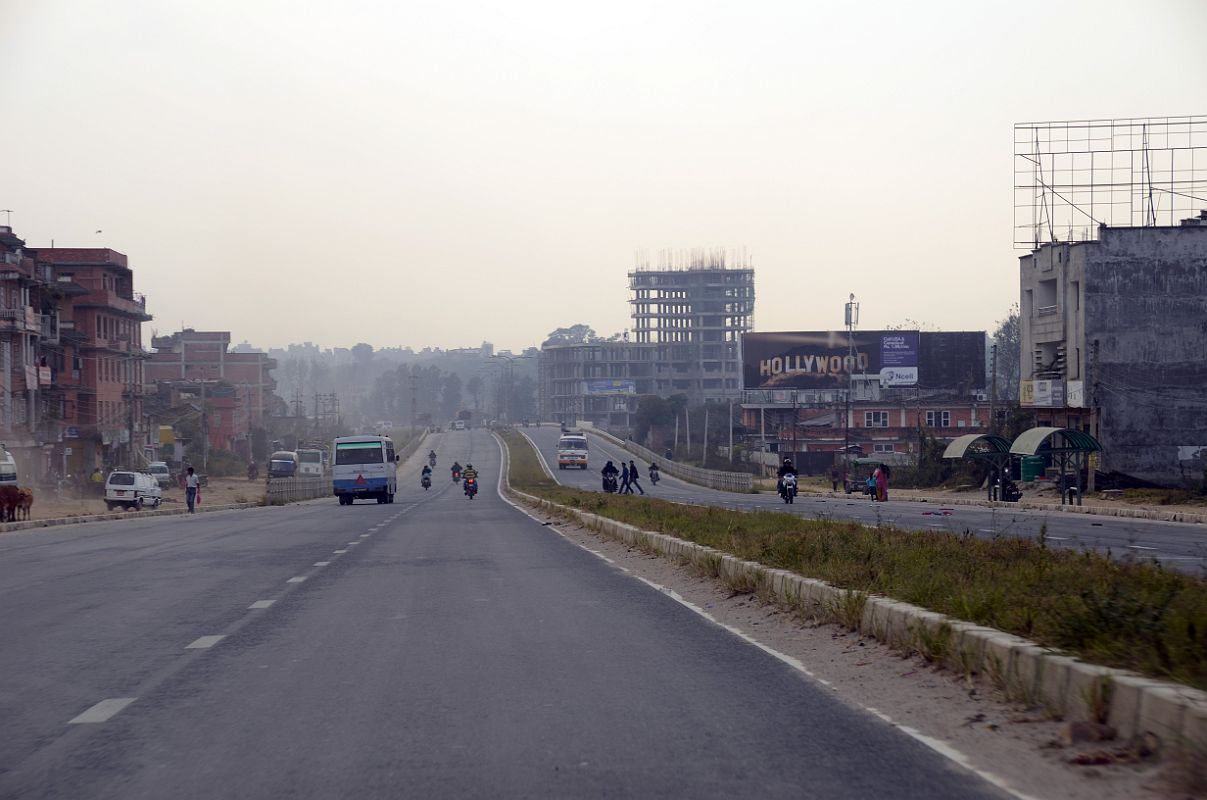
(1021, 669)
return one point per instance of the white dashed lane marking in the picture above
(262, 604)
(296, 579)
(322, 563)
(103, 710)
(204, 642)
(339, 552)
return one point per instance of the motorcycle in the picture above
(788, 488)
(456, 476)
(471, 487)
(655, 476)
(610, 483)
(426, 482)
(431, 461)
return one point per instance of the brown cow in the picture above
(25, 502)
(10, 497)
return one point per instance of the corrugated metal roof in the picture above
(1054, 440)
(973, 444)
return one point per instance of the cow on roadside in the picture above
(25, 503)
(10, 498)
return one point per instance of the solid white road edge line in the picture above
(102, 711)
(942, 748)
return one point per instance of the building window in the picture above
(938, 419)
(875, 419)
(882, 448)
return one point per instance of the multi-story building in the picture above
(239, 383)
(694, 314)
(95, 377)
(596, 382)
(1114, 333)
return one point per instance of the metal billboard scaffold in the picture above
(1074, 176)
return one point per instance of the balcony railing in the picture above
(1046, 311)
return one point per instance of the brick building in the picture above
(239, 384)
(93, 351)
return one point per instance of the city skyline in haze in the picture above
(409, 175)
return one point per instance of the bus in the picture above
(365, 467)
(310, 463)
(572, 451)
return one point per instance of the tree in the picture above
(575, 334)
(450, 395)
(363, 353)
(1008, 339)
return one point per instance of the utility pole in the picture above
(730, 431)
(704, 447)
(795, 414)
(414, 395)
(993, 390)
(852, 319)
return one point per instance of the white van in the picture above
(572, 451)
(127, 489)
(160, 472)
(8, 469)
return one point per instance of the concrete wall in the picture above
(1146, 347)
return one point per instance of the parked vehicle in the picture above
(8, 470)
(283, 464)
(572, 451)
(365, 467)
(310, 463)
(132, 490)
(161, 473)
(788, 488)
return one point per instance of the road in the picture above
(1180, 546)
(436, 647)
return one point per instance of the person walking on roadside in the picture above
(624, 479)
(882, 474)
(634, 476)
(191, 484)
(834, 479)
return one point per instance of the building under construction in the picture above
(692, 309)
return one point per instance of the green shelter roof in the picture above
(1054, 440)
(972, 445)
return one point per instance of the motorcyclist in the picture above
(655, 473)
(469, 474)
(427, 472)
(455, 469)
(786, 468)
(431, 454)
(609, 471)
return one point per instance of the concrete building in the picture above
(1114, 343)
(205, 357)
(95, 375)
(693, 314)
(597, 382)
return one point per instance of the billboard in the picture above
(819, 360)
(1041, 394)
(609, 386)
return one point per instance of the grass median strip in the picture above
(1128, 614)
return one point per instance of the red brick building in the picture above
(239, 386)
(94, 355)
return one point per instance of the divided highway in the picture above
(1181, 546)
(437, 647)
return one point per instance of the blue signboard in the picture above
(609, 386)
(899, 358)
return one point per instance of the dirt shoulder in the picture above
(220, 491)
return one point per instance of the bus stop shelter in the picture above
(987, 448)
(1068, 449)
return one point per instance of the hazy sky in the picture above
(444, 173)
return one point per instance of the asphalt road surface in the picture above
(1181, 546)
(436, 647)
